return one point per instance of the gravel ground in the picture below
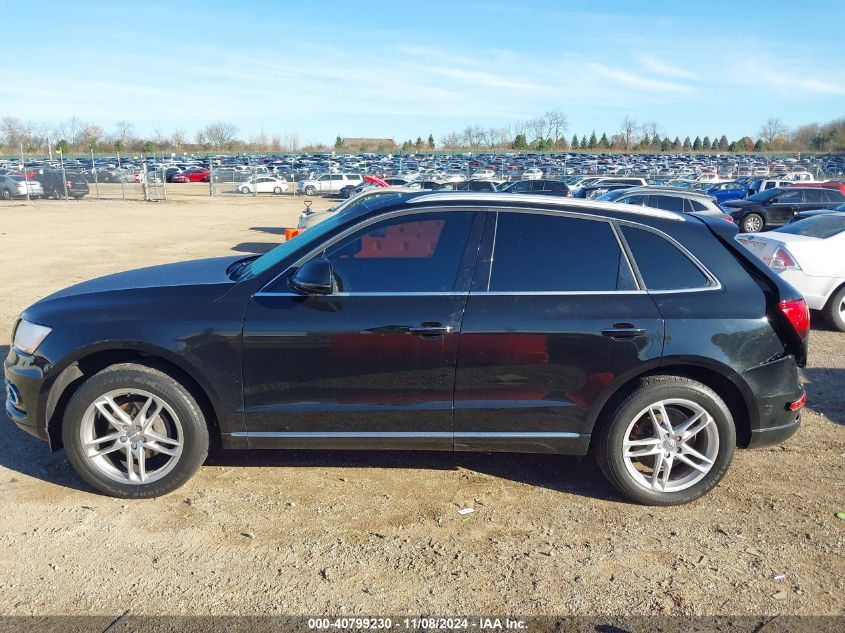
(379, 533)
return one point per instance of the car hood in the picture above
(199, 272)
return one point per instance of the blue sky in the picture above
(403, 69)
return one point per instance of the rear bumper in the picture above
(775, 435)
(774, 386)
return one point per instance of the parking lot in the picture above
(378, 533)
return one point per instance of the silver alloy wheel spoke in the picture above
(147, 433)
(670, 445)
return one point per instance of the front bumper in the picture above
(24, 378)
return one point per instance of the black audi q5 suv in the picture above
(459, 321)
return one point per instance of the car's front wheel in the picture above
(7, 195)
(132, 431)
(310, 190)
(752, 223)
(244, 190)
(669, 441)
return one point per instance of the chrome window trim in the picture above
(551, 293)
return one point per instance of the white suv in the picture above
(328, 184)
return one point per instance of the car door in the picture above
(373, 363)
(554, 318)
(783, 206)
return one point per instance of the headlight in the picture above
(29, 336)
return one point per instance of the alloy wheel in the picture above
(131, 436)
(670, 445)
(752, 224)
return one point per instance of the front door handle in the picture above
(623, 330)
(430, 329)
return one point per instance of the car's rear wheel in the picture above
(57, 194)
(244, 189)
(133, 431)
(310, 190)
(835, 309)
(277, 190)
(752, 223)
(669, 441)
(7, 195)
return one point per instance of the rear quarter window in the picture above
(661, 264)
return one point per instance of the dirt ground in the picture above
(379, 533)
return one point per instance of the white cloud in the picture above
(639, 82)
(657, 65)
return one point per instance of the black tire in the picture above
(245, 190)
(151, 380)
(7, 195)
(833, 311)
(612, 426)
(57, 194)
(752, 223)
(310, 190)
(277, 190)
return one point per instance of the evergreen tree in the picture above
(676, 144)
(603, 142)
(655, 141)
(574, 143)
(759, 146)
(431, 141)
(406, 146)
(705, 143)
(584, 142)
(723, 142)
(519, 142)
(665, 144)
(687, 144)
(419, 143)
(696, 144)
(593, 142)
(338, 143)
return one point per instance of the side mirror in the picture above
(314, 277)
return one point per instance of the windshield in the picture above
(288, 247)
(820, 226)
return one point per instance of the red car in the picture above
(832, 184)
(194, 174)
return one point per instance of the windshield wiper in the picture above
(235, 268)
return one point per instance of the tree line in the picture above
(547, 132)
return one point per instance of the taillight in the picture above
(783, 260)
(798, 315)
(69, 183)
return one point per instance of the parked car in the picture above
(55, 183)
(652, 340)
(424, 185)
(541, 187)
(14, 186)
(328, 184)
(309, 218)
(599, 189)
(725, 191)
(774, 207)
(676, 200)
(264, 184)
(194, 174)
(532, 173)
(829, 184)
(470, 185)
(809, 255)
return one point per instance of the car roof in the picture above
(680, 192)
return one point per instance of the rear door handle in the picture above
(429, 329)
(623, 330)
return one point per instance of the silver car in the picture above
(307, 220)
(14, 186)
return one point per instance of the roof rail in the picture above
(494, 197)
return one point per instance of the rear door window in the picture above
(667, 203)
(548, 253)
(661, 265)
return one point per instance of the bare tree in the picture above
(178, 138)
(221, 135)
(649, 130)
(89, 136)
(557, 124)
(627, 130)
(771, 130)
(451, 141)
(537, 128)
(13, 132)
(123, 132)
